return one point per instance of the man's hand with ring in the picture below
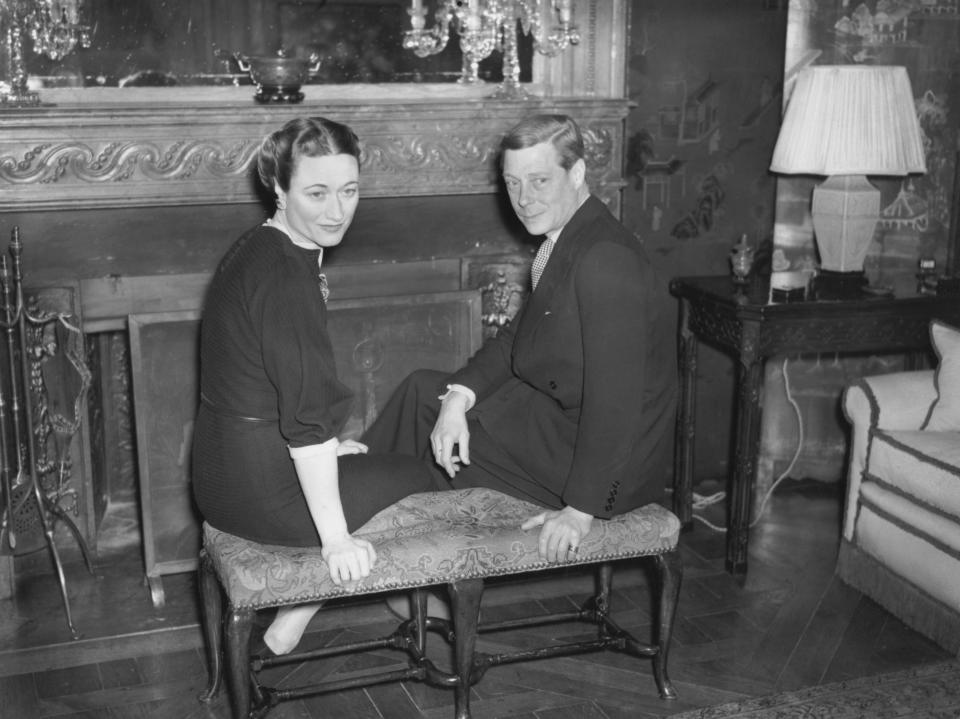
(561, 532)
(450, 432)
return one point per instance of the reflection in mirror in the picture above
(176, 43)
(54, 28)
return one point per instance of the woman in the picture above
(267, 464)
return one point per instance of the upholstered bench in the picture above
(458, 539)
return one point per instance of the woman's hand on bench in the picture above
(349, 558)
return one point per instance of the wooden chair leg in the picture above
(239, 625)
(465, 607)
(211, 616)
(670, 567)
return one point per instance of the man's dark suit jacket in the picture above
(580, 388)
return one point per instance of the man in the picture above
(571, 406)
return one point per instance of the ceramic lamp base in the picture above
(845, 210)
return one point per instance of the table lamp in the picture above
(846, 122)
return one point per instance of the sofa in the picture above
(900, 541)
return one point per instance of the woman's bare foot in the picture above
(284, 633)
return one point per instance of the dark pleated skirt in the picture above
(244, 482)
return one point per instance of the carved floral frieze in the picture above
(64, 158)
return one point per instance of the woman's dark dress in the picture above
(268, 380)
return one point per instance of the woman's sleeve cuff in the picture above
(315, 450)
(471, 395)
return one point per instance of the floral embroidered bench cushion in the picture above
(427, 539)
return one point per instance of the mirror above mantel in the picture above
(188, 50)
(188, 43)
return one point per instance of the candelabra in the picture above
(487, 25)
(55, 29)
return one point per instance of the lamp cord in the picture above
(701, 501)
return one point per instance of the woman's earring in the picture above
(281, 204)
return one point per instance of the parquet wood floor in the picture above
(791, 625)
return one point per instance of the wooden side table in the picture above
(745, 322)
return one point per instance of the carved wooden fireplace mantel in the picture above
(134, 156)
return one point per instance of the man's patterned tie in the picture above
(540, 261)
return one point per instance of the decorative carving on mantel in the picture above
(69, 158)
(123, 161)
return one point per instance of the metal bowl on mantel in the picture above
(278, 77)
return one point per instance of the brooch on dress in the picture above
(324, 288)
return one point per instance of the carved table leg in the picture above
(743, 477)
(686, 421)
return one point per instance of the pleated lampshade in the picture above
(846, 122)
(850, 120)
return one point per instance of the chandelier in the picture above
(55, 29)
(484, 26)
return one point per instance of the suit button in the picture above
(553, 385)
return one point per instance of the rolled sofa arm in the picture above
(899, 400)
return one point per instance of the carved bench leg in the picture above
(211, 615)
(465, 605)
(239, 626)
(671, 573)
(601, 602)
(418, 612)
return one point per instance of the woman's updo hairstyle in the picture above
(303, 137)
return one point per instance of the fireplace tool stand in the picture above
(35, 489)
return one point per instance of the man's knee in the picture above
(429, 381)
(420, 388)
(406, 419)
